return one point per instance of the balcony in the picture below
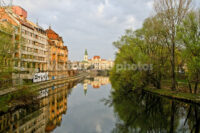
(61, 61)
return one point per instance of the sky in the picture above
(88, 24)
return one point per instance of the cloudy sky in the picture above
(88, 24)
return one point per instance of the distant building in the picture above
(97, 63)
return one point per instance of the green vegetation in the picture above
(166, 48)
(25, 96)
(7, 50)
(144, 113)
(188, 97)
(9, 43)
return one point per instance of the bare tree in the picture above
(172, 13)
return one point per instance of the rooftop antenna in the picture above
(37, 22)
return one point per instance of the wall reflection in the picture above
(39, 118)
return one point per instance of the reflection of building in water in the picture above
(57, 107)
(41, 118)
(97, 82)
(24, 120)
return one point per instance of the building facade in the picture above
(38, 51)
(97, 63)
(58, 55)
(31, 51)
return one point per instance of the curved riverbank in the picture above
(185, 97)
(46, 83)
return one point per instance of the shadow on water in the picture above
(140, 112)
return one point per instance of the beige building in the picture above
(97, 63)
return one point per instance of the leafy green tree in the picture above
(153, 35)
(145, 47)
(172, 13)
(189, 36)
(7, 48)
(131, 54)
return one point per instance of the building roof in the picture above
(53, 35)
(20, 11)
(96, 57)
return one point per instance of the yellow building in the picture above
(58, 55)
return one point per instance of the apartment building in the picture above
(32, 50)
(58, 55)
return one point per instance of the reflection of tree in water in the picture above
(142, 113)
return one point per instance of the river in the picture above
(90, 106)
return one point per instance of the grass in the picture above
(188, 97)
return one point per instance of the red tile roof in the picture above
(96, 57)
(53, 35)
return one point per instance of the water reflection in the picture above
(81, 110)
(47, 114)
(95, 82)
(42, 117)
(142, 112)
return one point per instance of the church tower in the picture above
(86, 56)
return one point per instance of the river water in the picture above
(90, 107)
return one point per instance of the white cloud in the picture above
(100, 10)
(91, 24)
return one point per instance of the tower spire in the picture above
(86, 53)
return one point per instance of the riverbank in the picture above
(45, 84)
(185, 97)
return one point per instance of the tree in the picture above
(189, 36)
(143, 46)
(172, 13)
(153, 35)
(7, 50)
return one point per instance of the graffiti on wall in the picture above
(39, 77)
